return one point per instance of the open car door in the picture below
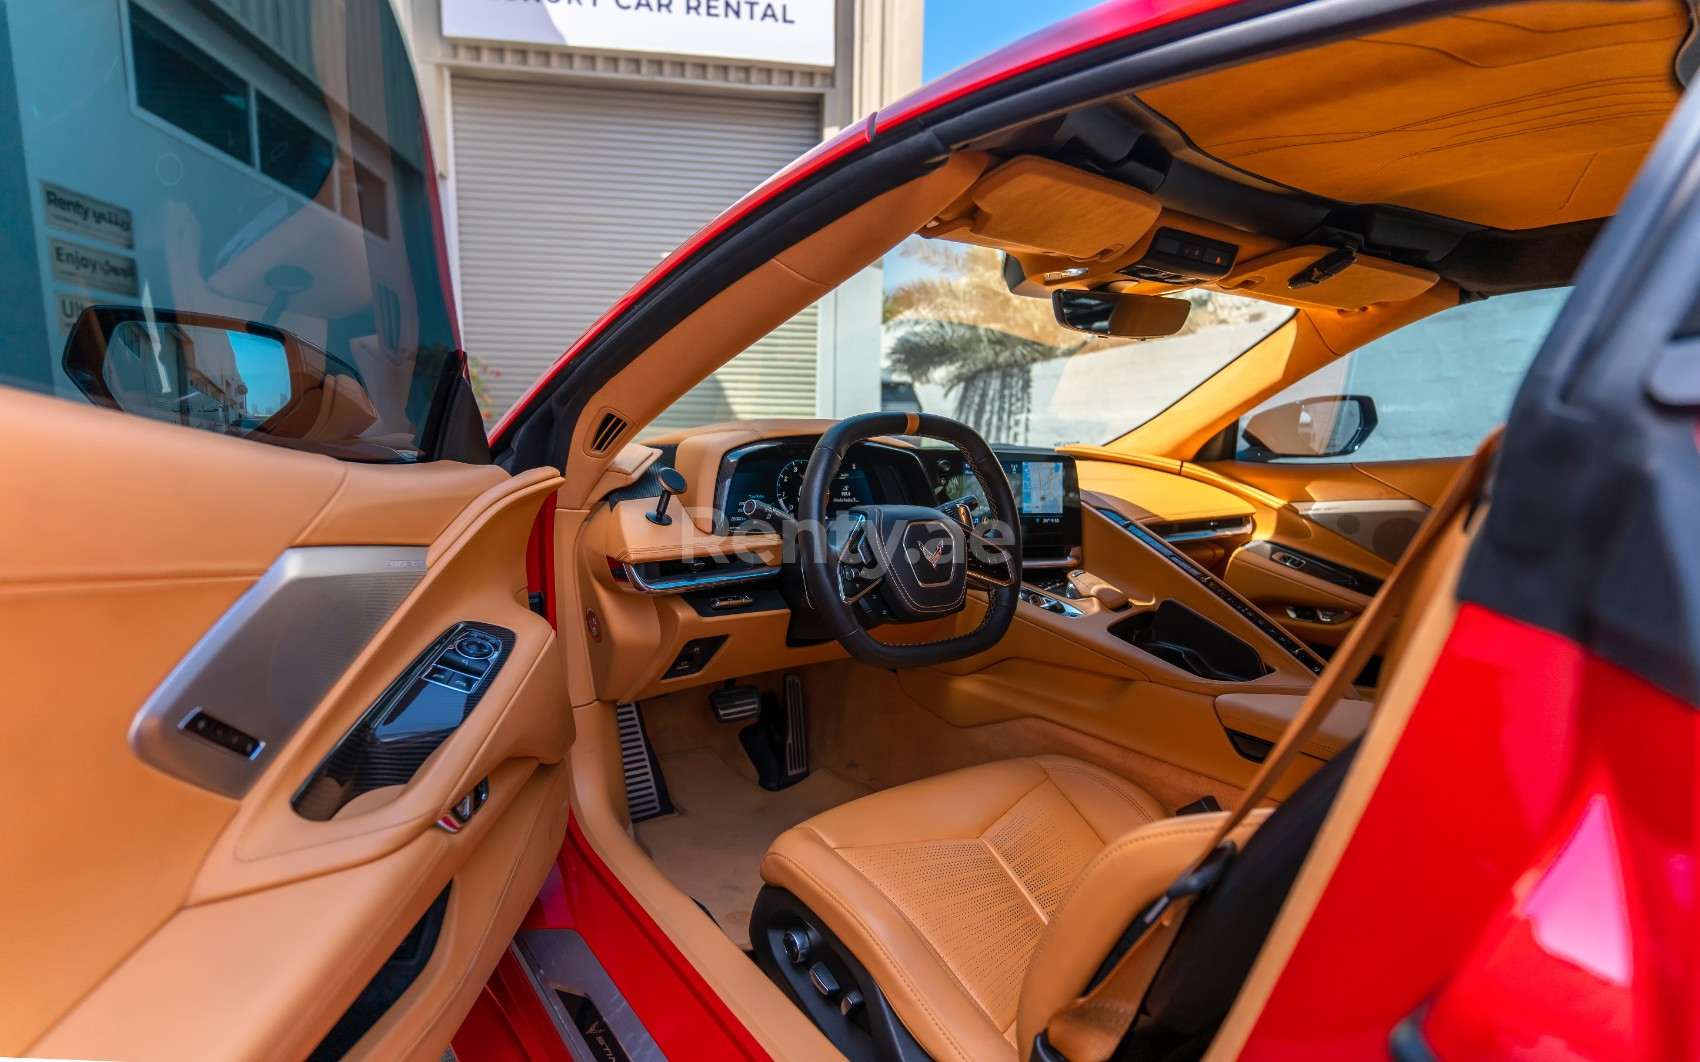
(284, 737)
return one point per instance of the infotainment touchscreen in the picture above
(1040, 487)
(1046, 488)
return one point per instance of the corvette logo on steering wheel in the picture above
(936, 551)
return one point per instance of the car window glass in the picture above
(1438, 385)
(222, 173)
(955, 341)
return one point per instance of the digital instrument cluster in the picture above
(771, 475)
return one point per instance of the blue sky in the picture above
(960, 31)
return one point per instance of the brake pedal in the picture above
(778, 741)
(646, 788)
(735, 702)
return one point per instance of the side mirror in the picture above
(1326, 426)
(217, 373)
(1109, 313)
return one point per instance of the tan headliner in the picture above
(1514, 117)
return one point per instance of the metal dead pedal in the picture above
(735, 703)
(646, 789)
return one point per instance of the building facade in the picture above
(577, 142)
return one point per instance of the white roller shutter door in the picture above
(567, 195)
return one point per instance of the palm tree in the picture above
(959, 326)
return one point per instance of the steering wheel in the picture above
(920, 561)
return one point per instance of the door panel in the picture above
(1375, 506)
(1341, 531)
(149, 916)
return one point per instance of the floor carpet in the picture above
(712, 846)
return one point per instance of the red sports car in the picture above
(1182, 664)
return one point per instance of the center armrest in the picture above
(1267, 716)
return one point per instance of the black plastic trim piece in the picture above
(417, 713)
(647, 485)
(872, 1031)
(388, 985)
(1326, 570)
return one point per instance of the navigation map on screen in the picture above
(1042, 488)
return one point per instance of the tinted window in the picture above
(187, 87)
(1439, 385)
(250, 182)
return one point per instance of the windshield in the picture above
(957, 342)
(244, 190)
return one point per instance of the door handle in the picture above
(467, 806)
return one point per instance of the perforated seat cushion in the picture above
(943, 887)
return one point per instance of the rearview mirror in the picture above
(1325, 426)
(216, 373)
(1128, 316)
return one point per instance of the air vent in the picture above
(608, 432)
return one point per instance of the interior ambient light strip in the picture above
(1273, 631)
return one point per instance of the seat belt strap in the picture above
(1090, 1028)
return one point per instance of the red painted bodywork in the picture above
(1100, 25)
(1525, 869)
(678, 1008)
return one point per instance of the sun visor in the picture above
(1313, 275)
(1034, 204)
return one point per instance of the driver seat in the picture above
(969, 907)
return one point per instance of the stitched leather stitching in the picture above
(1136, 799)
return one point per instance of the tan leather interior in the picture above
(1124, 877)
(1014, 208)
(1559, 100)
(944, 887)
(700, 451)
(1266, 715)
(1366, 282)
(106, 961)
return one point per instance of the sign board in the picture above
(75, 264)
(76, 212)
(69, 306)
(800, 32)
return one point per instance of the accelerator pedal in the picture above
(646, 788)
(778, 741)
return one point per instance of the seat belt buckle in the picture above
(1194, 883)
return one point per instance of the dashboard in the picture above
(1045, 485)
